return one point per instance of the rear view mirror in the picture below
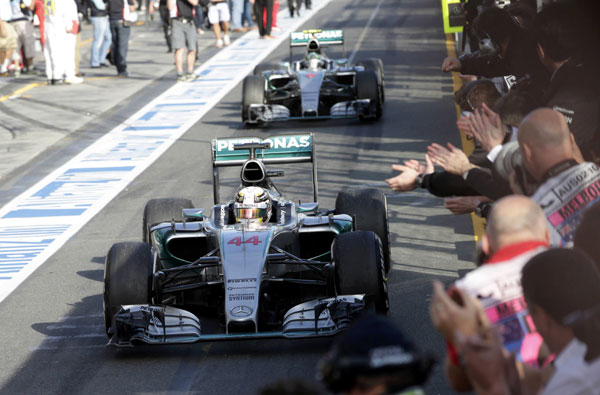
(196, 214)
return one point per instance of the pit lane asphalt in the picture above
(52, 328)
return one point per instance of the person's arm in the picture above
(484, 182)
(483, 66)
(444, 184)
(193, 2)
(456, 376)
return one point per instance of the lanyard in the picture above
(559, 168)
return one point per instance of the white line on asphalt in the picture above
(363, 34)
(34, 225)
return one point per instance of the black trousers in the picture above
(166, 24)
(120, 44)
(259, 7)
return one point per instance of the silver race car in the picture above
(315, 87)
(256, 266)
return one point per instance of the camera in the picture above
(509, 167)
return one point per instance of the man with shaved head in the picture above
(516, 232)
(566, 186)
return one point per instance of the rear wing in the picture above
(293, 148)
(328, 37)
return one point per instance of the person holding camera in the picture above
(183, 35)
(565, 185)
(516, 231)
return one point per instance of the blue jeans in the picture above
(241, 10)
(102, 40)
(120, 43)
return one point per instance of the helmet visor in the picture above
(246, 212)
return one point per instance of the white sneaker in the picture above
(226, 39)
(219, 43)
(73, 80)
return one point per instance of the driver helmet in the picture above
(314, 60)
(252, 204)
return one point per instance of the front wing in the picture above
(153, 324)
(264, 113)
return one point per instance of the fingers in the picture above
(428, 164)
(399, 167)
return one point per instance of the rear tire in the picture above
(127, 278)
(253, 92)
(163, 210)
(368, 207)
(367, 87)
(376, 65)
(358, 263)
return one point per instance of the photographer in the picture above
(516, 231)
(565, 187)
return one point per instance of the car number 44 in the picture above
(237, 241)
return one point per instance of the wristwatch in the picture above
(483, 209)
(419, 181)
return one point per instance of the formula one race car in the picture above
(256, 266)
(315, 87)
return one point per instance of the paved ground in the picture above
(37, 117)
(52, 324)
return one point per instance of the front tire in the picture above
(367, 87)
(163, 210)
(127, 278)
(253, 92)
(358, 263)
(368, 207)
(376, 65)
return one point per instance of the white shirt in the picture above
(574, 376)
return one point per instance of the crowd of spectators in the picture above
(527, 320)
(59, 24)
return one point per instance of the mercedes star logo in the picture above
(241, 311)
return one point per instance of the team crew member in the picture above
(102, 36)
(61, 33)
(512, 50)
(165, 19)
(118, 16)
(219, 16)
(573, 89)
(21, 21)
(8, 36)
(261, 7)
(183, 35)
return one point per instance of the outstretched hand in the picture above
(463, 204)
(419, 167)
(451, 64)
(451, 159)
(486, 127)
(405, 181)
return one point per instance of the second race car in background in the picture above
(315, 87)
